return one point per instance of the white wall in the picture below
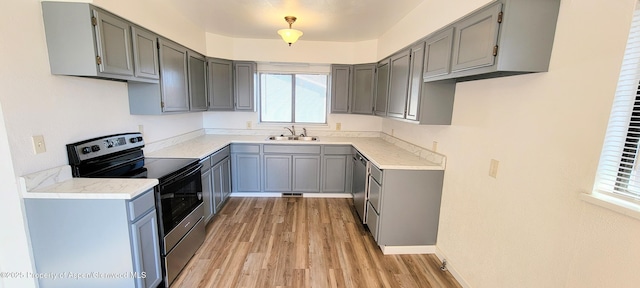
(66, 109)
(527, 227)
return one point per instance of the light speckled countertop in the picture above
(383, 154)
(94, 188)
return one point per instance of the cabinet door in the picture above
(415, 82)
(226, 179)
(382, 87)
(363, 88)
(114, 44)
(340, 88)
(334, 173)
(173, 80)
(145, 54)
(197, 82)
(146, 250)
(306, 173)
(217, 187)
(246, 172)
(277, 173)
(244, 88)
(475, 39)
(398, 84)
(207, 194)
(220, 84)
(437, 60)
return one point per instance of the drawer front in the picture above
(292, 149)
(220, 155)
(337, 149)
(245, 148)
(140, 205)
(376, 173)
(206, 163)
(372, 221)
(374, 193)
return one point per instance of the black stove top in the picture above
(121, 156)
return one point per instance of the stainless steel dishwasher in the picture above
(359, 185)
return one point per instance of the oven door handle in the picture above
(183, 175)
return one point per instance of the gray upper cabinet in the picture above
(437, 59)
(475, 40)
(398, 84)
(382, 87)
(364, 80)
(198, 97)
(84, 40)
(415, 81)
(113, 35)
(340, 88)
(220, 86)
(145, 54)
(174, 80)
(244, 85)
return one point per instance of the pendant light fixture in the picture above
(290, 35)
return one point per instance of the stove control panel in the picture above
(101, 146)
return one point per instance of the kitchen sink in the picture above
(295, 138)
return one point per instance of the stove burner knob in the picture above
(133, 140)
(95, 148)
(86, 150)
(139, 139)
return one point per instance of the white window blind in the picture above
(619, 168)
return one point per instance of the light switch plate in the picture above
(38, 144)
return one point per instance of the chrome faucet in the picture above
(292, 130)
(304, 132)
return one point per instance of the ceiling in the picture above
(320, 20)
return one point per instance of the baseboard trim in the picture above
(255, 194)
(327, 195)
(419, 249)
(451, 268)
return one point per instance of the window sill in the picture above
(613, 203)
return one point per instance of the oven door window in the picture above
(179, 198)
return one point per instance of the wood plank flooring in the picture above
(301, 242)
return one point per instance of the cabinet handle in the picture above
(500, 17)
(99, 60)
(495, 50)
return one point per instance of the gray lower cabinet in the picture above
(207, 188)
(382, 88)
(244, 85)
(198, 98)
(220, 84)
(292, 168)
(341, 88)
(404, 206)
(216, 181)
(246, 165)
(87, 236)
(336, 169)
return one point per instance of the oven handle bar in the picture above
(183, 175)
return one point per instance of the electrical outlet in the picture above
(248, 124)
(493, 168)
(338, 126)
(38, 144)
(434, 147)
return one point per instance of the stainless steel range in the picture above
(178, 194)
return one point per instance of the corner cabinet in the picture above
(244, 85)
(382, 88)
(220, 82)
(398, 83)
(246, 162)
(198, 98)
(101, 236)
(340, 88)
(216, 181)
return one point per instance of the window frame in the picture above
(293, 96)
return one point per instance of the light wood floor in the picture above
(301, 242)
